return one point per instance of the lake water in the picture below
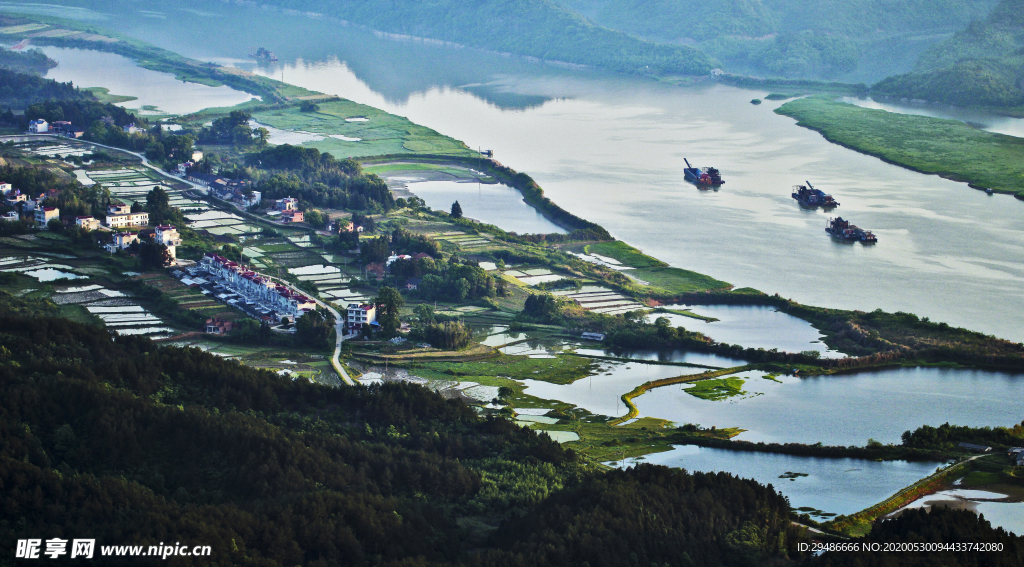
(87, 68)
(1007, 515)
(835, 410)
(611, 148)
(848, 409)
(492, 203)
(753, 326)
(836, 486)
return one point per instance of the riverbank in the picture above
(948, 148)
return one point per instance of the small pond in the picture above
(493, 203)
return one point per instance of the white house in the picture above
(5, 187)
(288, 204)
(118, 209)
(132, 129)
(14, 197)
(38, 126)
(168, 236)
(87, 222)
(122, 240)
(11, 216)
(130, 219)
(359, 315)
(255, 200)
(45, 215)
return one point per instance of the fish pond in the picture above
(814, 485)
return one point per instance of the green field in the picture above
(625, 253)
(948, 148)
(717, 389)
(382, 133)
(102, 94)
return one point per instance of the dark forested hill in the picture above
(981, 65)
(19, 90)
(536, 28)
(793, 38)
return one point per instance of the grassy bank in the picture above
(948, 148)
(860, 523)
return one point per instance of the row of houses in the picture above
(255, 287)
(59, 127)
(224, 188)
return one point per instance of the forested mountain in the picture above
(792, 38)
(981, 65)
(536, 28)
(19, 90)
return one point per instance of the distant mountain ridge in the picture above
(793, 38)
(534, 28)
(983, 64)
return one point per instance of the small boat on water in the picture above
(263, 54)
(843, 230)
(813, 198)
(709, 177)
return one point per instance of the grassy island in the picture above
(948, 148)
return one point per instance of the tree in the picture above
(153, 255)
(315, 218)
(308, 106)
(55, 226)
(450, 335)
(374, 250)
(316, 328)
(425, 313)
(262, 136)
(158, 205)
(456, 210)
(389, 301)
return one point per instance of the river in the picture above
(611, 148)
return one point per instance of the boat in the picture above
(263, 54)
(709, 177)
(813, 198)
(843, 230)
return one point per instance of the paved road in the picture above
(338, 330)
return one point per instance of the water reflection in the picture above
(87, 68)
(492, 203)
(848, 409)
(976, 118)
(752, 326)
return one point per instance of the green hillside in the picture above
(799, 39)
(981, 65)
(535, 28)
